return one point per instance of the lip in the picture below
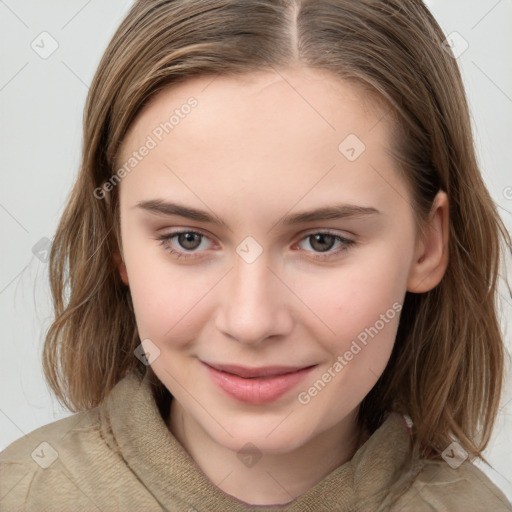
(256, 385)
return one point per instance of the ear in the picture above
(121, 267)
(431, 254)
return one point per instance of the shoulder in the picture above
(38, 444)
(41, 460)
(71, 464)
(440, 487)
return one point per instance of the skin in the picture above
(256, 149)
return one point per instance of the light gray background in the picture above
(41, 103)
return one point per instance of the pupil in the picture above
(187, 240)
(321, 238)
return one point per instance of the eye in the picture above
(186, 242)
(323, 243)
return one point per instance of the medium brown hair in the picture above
(447, 365)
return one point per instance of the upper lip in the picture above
(263, 371)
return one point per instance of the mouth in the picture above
(256, 385)
(256, 373)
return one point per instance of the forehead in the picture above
(273, 132)
(255, 107)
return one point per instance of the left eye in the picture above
(189, 243)
(323, 242)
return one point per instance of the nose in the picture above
(255, 304)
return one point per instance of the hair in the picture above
(447, 365)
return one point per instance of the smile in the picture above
(256, 385)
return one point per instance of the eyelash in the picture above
(347, 244)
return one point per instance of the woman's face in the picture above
(299, 247)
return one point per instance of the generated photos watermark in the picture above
(152, 140)
(305, 397)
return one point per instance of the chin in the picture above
(274, 440)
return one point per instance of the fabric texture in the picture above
(120, 456)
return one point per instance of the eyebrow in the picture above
(334, 212)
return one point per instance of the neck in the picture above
(276, 478)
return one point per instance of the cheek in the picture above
(361, 306)
(167, 311)
(165, 300)
(354, 295)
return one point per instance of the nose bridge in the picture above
(251, 281)
(252, 306)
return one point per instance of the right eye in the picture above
(186, 245)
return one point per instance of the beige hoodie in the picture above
(121, 456)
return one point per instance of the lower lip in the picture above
(257, 390)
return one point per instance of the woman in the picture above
(260, 279)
